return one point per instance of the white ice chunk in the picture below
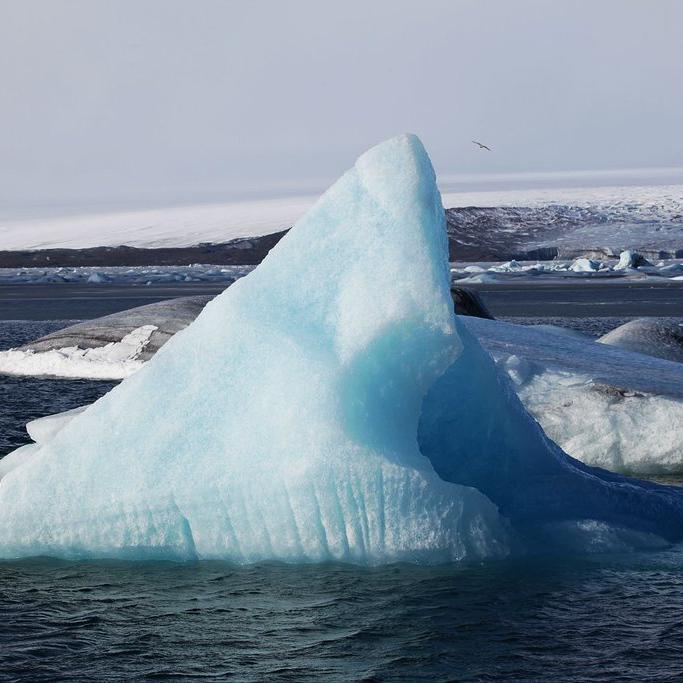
(619, 429)
(630, 259)
(585, 265)
(116, 360)
(606, 406)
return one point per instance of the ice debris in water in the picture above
(283, 423)
(630, 259)
(585, 265)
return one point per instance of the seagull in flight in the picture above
(481, 146)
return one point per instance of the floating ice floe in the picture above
(585, 265)
(115, 360)
(283, 423)
(110, 347)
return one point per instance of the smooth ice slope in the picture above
(282, 423)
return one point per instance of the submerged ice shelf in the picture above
(283, 422)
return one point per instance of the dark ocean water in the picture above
(594, 619)
(616, 618)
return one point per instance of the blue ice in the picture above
(282, 423)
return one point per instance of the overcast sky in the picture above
(145, 100)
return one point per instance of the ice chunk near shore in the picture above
(585, 265)
(631, 259)
(282, 423)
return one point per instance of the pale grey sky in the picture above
(150, 100)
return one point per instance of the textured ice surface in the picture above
(613, 427)
(282, 423)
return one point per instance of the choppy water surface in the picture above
(571, 620)
(617, 618)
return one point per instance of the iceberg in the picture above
(327, 406)
(281, 424)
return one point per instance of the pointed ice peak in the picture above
(406, 156)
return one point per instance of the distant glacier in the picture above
(597, 222)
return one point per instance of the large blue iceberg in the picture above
(283, 423)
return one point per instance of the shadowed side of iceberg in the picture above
(532, 481)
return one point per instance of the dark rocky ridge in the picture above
(474, 234)
(244, 251)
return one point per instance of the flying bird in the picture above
(481, 146)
